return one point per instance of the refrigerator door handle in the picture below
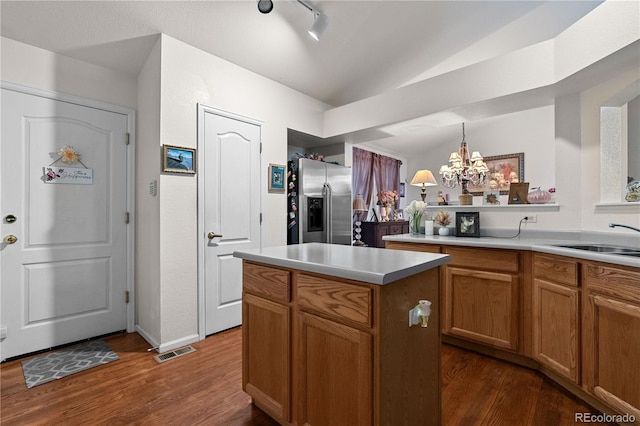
(327, 213)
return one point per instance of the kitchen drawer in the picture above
(484, 258)
(556, 269)
(344, 301)
(266, 281)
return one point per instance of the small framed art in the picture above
(467, 224)
(491, 198)
(176, 159)
(277, 178)
(518, 193)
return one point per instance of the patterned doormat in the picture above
(67, 361)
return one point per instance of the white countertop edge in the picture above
(532, 244)
(371, 277)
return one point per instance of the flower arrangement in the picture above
(442, 218)
(415, 210)
(387, 197)
(68, 155)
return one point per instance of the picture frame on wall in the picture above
(467, 224)
(503, 171)
(177, 159)
(402, 190)
(277, 177)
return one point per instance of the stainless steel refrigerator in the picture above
(324, 200)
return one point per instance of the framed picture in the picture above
(491, 198)
(177, 159)
(518, 193)
(467, 224)
(402, 190)
(400, 214)
(277, 178)
(503, 170)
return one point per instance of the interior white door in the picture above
(230, 169)
(65, 277)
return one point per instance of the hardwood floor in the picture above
(204, 388)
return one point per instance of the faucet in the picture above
(613, 225)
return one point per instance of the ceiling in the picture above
(370, 47)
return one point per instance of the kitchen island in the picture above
(326, 336)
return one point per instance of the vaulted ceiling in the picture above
(369, 48)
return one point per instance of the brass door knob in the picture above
(212, 235)
(10, 239)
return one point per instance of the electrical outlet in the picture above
(531, 218)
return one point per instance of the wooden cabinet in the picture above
(584, 317)
(372, 232)
(611, 336)
(481, 296)
(335, 371)
(266, 339)
(321, 350)
(556, 315)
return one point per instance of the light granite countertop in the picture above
(368, 264)
(545, 242)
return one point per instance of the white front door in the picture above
(65, 276)
(229, 188)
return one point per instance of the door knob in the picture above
(212, 235)
(10, 239)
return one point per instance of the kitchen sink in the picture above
(603, 248)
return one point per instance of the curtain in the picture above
(362, 174)
(387, 173)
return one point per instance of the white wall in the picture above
(148, 278)
(531, 132)
(597, 218)
(191, 76)
(39, 68)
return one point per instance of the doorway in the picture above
(66, 255)
(229, 212)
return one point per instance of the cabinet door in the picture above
(335, 373)
(612, 352)
(265, 355)
(556, 328)
(482, 306)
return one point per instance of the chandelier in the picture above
(464, 169)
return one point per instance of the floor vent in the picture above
(174, 354)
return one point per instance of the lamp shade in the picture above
(424, 178)
(358, 204)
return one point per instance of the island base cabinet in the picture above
(326, 351)
(335, 364)
(611, 331)
(266, 355)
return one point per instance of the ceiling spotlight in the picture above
(265, 6)
(320, 21)
(320, 24)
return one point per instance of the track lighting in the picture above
(265, 6)
(320, 21)
(320, 24)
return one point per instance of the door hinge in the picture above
(260, 218)
(126, 217)
(260, 147)
(126, 296)
(127, 139)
